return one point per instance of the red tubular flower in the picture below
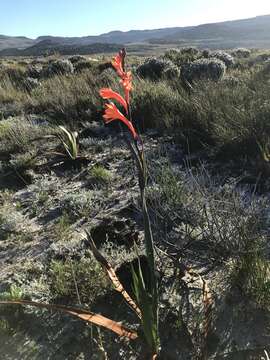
(126, 82)
(107, 93)
(117, 62)
(112, 113)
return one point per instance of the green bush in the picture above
(182, 56)
(241, 52)
(86, 275)
(253, 277)
(155, 105)
(223, 56)
(57, 67)
(68, 99)
(156, 69)
(211, 69)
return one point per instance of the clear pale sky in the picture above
(33, 18)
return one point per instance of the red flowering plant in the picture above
(146, 299)
(146, 303)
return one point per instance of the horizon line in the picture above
(126, 31)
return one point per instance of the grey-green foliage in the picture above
(76, 58)
(14, 293)
(77, 205)
(21, 162)
(57, 67)
(211, 69)
(80, 63)
(100, 175)
(232, 81)
(30, 83)
(158, 68)
(85, 274)
(17, 134)
(261, 58)
(83, 65)
(182, 56)
(34, 71)
(15, 73)
(241, 52)
(253, 276)
(223, 56)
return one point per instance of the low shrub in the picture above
(77, 205)
(83, 65)
(100, 175)
(17, 135)
(241, 52)
(57, 67)
(182, 56)
(156, 69)
(76, 58)
(212, 69)
(223, 56)
(253, 277)
(85, 276)
(15, 73)
(70, 99)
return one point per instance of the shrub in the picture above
(18, 134)
(231, 81)
(15, 73)
(76, 58)
(83, 65)
(211, 212)
(68, 98)
(100, 175)
(212, 69)
(155, 69)
(82, 204)
(190, 50)
(241, 52)
(11, 94)
(167, 102)
(253, 276)
(62, 227)
(14, 293)
(206, 53)
(34, 71)
(23, 162)
(86, 275)
(182, 56)
(30, 83)
(77, 205)
(261, 58)
(223, 56)
(57, 67)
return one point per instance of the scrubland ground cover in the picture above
(204, 118)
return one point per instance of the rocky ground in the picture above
(199, 220)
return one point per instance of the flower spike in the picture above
(118, 62)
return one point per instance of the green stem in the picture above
(149, 242)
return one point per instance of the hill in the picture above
(46, 47)
(253, 32)
(19, 42)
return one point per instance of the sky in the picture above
(33, 18)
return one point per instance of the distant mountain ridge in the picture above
(253, 32)
(19, 42)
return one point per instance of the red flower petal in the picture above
(127, 84)
(107, 93)
(112, 113)
(117, 62)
